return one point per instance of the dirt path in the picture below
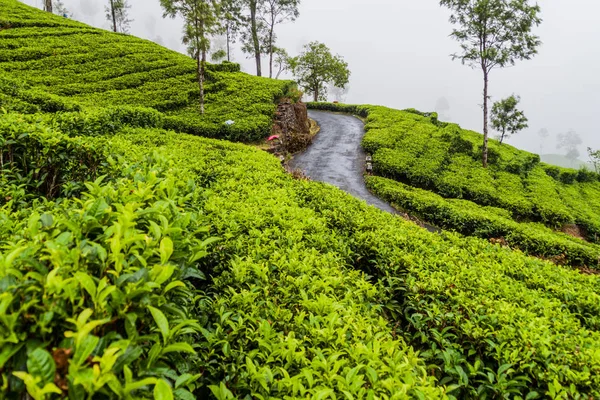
(336, 156)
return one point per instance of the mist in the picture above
(399, 55)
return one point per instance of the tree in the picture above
(281, 61)
(231, 22)
(272, 13)
(316, 67)
(543, 134)
(506, 118)
(493, 34)
(218, 56)
(60, 9)
(570, 142)
(253, 36)
(118, 13)
(48, 5)
(594, 158)
(200, 18)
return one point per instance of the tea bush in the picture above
(114, 298)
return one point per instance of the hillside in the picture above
(432, 170)
(69, 66)
(139, 261)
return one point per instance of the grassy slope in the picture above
(309, 293)
(91, 68)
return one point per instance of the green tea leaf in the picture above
(162, 391)
(166, 250)
(161, 322)
(47, 220)
(40, 364)
(86, 283)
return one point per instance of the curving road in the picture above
(336, 156)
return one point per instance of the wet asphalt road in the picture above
(336, 156)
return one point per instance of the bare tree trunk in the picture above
(228, 43)
(316, 93)
(114, 15)
(271, 56)
(485, 118)
(48, 5)
(255, 40)
(271, 45)
(201, 69)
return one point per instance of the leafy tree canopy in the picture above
(507, 119)
(316, 67)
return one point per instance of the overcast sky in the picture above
(398, 52)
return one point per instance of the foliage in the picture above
(493, 34)
(117, 12)
(128, 263)
(273, 13)
(506, 118)
(316, 67)
(218, 55)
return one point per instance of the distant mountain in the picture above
(562, 161)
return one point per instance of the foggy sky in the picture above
(398, 52)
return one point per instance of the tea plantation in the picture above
(55, 64)
(140, 261)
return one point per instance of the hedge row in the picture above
(471, 219)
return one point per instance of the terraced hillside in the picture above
(70, 66)
(141, 262)
(432, 169)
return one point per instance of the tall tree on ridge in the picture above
(201, 22)
(594, 159)
(231, 15)
(48, 5)
(118, 14)
(252, 31)
(273, 13)
(493, 34)
(254, 44)
(281, 61)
